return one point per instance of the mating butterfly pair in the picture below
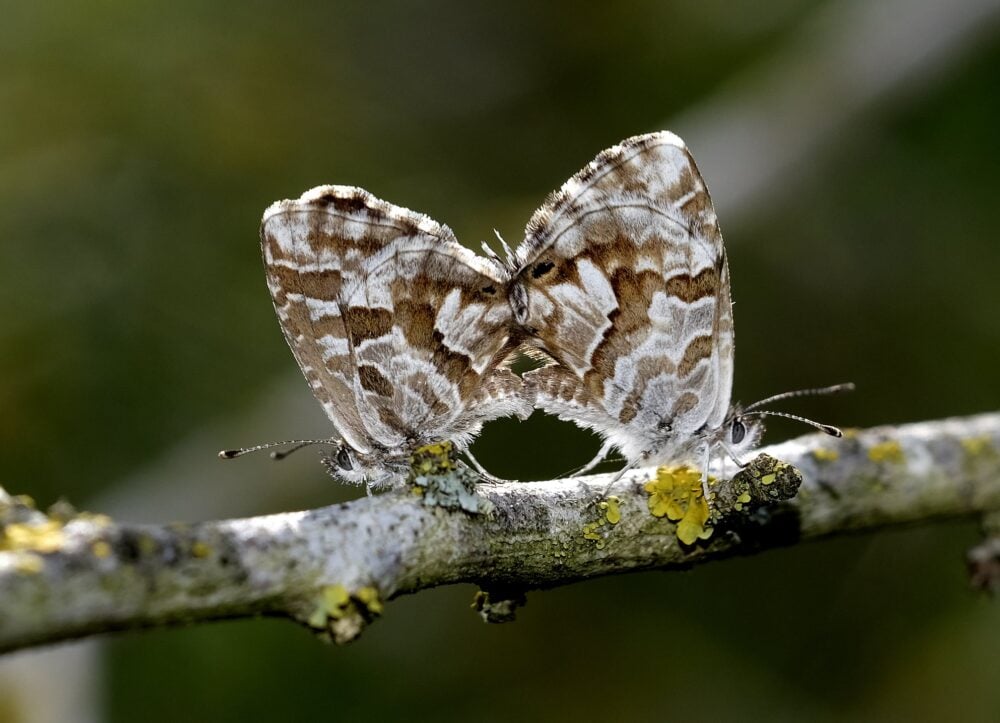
(621, 282)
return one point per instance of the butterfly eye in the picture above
(344, 459)
(738, 432)
(541, 269)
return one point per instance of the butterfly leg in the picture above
(601, 454)
(481, 470)
(707, 452)
(621, 473)
(734, 456)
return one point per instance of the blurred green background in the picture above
(139, 144)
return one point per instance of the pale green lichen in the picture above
(677, 494)
(559, 549)
(442, 482)
(888, 451)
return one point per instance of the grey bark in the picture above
(65, 575)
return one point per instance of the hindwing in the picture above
(395, 325)
(622, 280)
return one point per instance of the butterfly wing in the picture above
(622, 280)
(395, 325)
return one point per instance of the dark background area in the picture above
(139, 145)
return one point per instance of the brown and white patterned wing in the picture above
(432, 365)
(622, 279)
(394, 324)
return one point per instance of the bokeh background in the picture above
(852, 149)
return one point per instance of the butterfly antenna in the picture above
(826, 428)
(817, 392)
(298, 444)
(492, 255)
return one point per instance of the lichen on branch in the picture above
(66, 574)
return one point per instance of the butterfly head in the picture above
(744, 428)
(740, 433)
(378, 468)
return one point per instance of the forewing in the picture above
(622, 279)
(393, 323)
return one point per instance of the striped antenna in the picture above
(298, 444)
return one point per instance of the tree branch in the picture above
(66, 575)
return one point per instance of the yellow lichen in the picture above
(611, 514)
(332, 603)
(44, 536)
(676, 493)
(590, 530)
(29, 563)
(101, 549)
(200, 549)
(336, 599)
(369, 597)
(977, 445)
(822, 454)
(432, 459)
(888, 451)
(612, 510)
(335, 602)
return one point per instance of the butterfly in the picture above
(622, 280)
(402, 333)
(621, 285)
